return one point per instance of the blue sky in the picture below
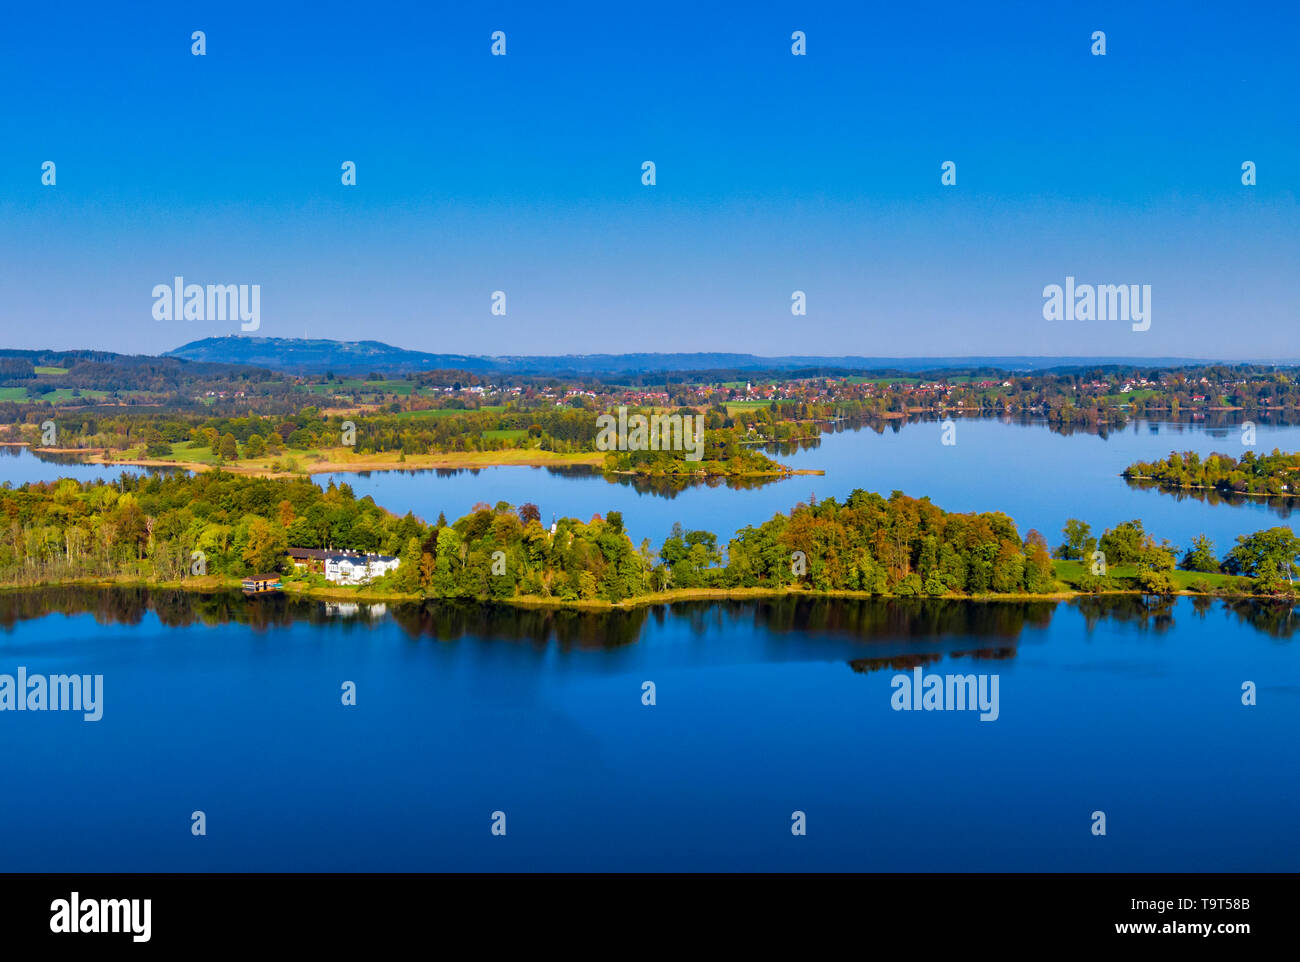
(774, 173)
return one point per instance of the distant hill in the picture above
(301, 356)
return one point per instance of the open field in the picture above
(358, 385)
(444, 412)
(65, 394)
(735, 406)
(182, 451)
(59, 395)
(1071, 571)
(331, 460)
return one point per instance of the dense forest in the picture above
(170, 528)
(151, 526)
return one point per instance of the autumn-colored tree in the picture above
(266, 546)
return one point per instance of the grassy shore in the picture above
(338, 460)
(1070, 572)
(332, 460)
(1067, 572)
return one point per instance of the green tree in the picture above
(1200, 556)
(1278, 545)
(1124, 543)
(1153, 582)
(1158, 557)
(407, 575)
(1079, 543)
(1268, 578)
(447, 563)
(229, 450)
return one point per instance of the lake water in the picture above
(233, 708)
(1038, 477)
(19, 466)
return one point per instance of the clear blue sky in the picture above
(775, 173)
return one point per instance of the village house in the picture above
(313, 559)
(352, 570)
(343, 567)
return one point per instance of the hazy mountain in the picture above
(300, 356)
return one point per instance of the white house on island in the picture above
(347, 569)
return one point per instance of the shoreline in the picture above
(210, 584)
(784, 473)
(1229, 493)
(339, 463)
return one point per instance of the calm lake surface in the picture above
(233, 708)
(1038, 477)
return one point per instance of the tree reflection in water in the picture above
(907, 632)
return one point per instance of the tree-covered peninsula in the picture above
(214, 527)
(1275, 475)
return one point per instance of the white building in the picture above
(347, 569)
(348, 609)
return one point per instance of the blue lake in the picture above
(1038, 477)
(234, 708)
(19, 466)
(762, 710)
